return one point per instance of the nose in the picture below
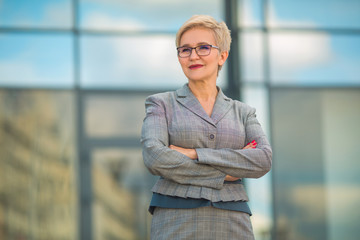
(194, 54)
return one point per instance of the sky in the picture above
(304, 59)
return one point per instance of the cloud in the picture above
(293, 52)
(39, 14)
(154, 15)
(290, 52)
(275, 21)
(18, 72)
(103, 21)
(58, 14)
(131, 61)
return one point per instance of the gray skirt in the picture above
(200, 223)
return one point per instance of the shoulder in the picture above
(243, 108)
(160, 100)
(160, 97)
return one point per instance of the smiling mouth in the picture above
(195, 66)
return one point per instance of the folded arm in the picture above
(242, 163)
(169, 163)
(191, 153)
(237, 163)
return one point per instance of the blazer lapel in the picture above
(222, 106)
(188, 100)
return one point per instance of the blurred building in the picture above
(74, 75)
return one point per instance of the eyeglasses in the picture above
(202, 50)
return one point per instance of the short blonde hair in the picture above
(221, 31)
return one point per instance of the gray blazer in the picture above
(177, 118)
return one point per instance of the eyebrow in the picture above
(198, 44)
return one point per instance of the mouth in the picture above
(195, 66)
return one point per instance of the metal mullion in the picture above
(84, 164)
(233, 65)
(267, 82)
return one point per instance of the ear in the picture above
(223, 56)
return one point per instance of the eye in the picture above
(184, 50)
(204, 47)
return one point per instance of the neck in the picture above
(203, 90)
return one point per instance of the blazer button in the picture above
(212, 136)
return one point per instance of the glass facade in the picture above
(315, 172)
(36, 60)
(38, 186)
(74, 75)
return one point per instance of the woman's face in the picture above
(197, 67)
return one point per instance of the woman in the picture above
(201, 144)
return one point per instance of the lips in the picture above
(195, 66)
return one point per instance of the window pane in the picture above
(257, 97)
(250, 13)
(315, 137)
(38, 198)
(341, 117)
(259, 190)
(114, 116)
(121, 194)
(142, 14)
(132, 62)
(315, 14)
(39, 13)
(313, 59)
(40, 60)
(252, 56)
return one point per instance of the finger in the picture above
(248, 146)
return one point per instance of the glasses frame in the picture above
(197, 48)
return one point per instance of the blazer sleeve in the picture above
(170, 164)
(242, 163)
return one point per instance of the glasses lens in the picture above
(184, 51)
(203, 50)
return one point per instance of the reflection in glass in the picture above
(250, 13)
(314, 58)
(144, 15)
(114, 116)
(121, 194)
(252, 56)
(38, 14)
(315, 167)
(315, 14)
(38, 198)
(33, 60)
(259, 190)
(132, 62)
(341, 117)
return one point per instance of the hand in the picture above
(230, 178)
(248, 146)
(189, 152)
(252, 144)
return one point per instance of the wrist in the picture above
(194, 155)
